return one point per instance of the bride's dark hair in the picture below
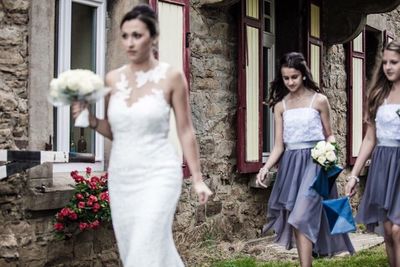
(278, 89)
(145, 14)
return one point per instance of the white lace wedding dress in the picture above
(145, 175)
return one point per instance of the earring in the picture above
(304, 78)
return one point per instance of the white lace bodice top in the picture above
(302, 124)
(387, 121)
(140, 129)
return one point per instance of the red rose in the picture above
(79, 178)
(73, 216)
(92, 198)
(83, 226)
(88, 170)
(96, 207)
(89, 203)
(104, 196)
(95, 224)
(58, 226)
(95, 179)
(65, 212)
(93, 186)
(74, 173)
(81, 204)
(79, 196)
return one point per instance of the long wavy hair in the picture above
(380, 86)
(278, 90)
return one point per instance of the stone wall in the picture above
(13, 73)
(26, 233)
(234, 211)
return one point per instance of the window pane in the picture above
(267, 8)
(315, 21)
(267, 113)
(83, 56)
(267, 25)
(252, 95)
(252, 8)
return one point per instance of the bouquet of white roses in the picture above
(77, 85)
(325, 153)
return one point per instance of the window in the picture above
(268, 75)
(314, 40)
(362, 53)
(250, 87)
(81, 44)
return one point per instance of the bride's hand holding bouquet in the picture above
(77, 85)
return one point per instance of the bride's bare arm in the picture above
(181, 106)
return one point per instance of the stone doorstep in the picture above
(53, 197)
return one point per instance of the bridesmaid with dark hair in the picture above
(380, 204)
(302, 118)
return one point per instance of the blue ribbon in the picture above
(325, 179)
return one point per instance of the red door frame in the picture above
(242, 165)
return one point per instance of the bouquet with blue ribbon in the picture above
(338, 211)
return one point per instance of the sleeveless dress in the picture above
(145, 176)
(381, 198)
(292, 203)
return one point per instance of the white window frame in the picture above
(269, 43)
(64, 63)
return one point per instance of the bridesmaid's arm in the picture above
(322, 105)
(278, 149)
(366, 148)
(185, 130)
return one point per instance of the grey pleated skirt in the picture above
(381, 199)
(294, 205)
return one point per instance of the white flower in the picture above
(321, 146)
(321, 160)
(331, 156)
(329, 147)
(85, 87)
(315, 153)
(73, 82)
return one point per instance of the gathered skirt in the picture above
(381, 198)
(294, 205)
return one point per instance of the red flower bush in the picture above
(88, 208)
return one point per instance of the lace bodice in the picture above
(140, 129)
(302, 124)
(388, 122)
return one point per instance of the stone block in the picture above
(34, 252)
(8, 246)
(11, 35)
(57, 250)
(83, 250)
(10, 57)
(8, 263)
(53, 198)
(22, 5)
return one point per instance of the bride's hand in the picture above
(78, 107)
(202, 191)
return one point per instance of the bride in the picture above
(145, 175)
